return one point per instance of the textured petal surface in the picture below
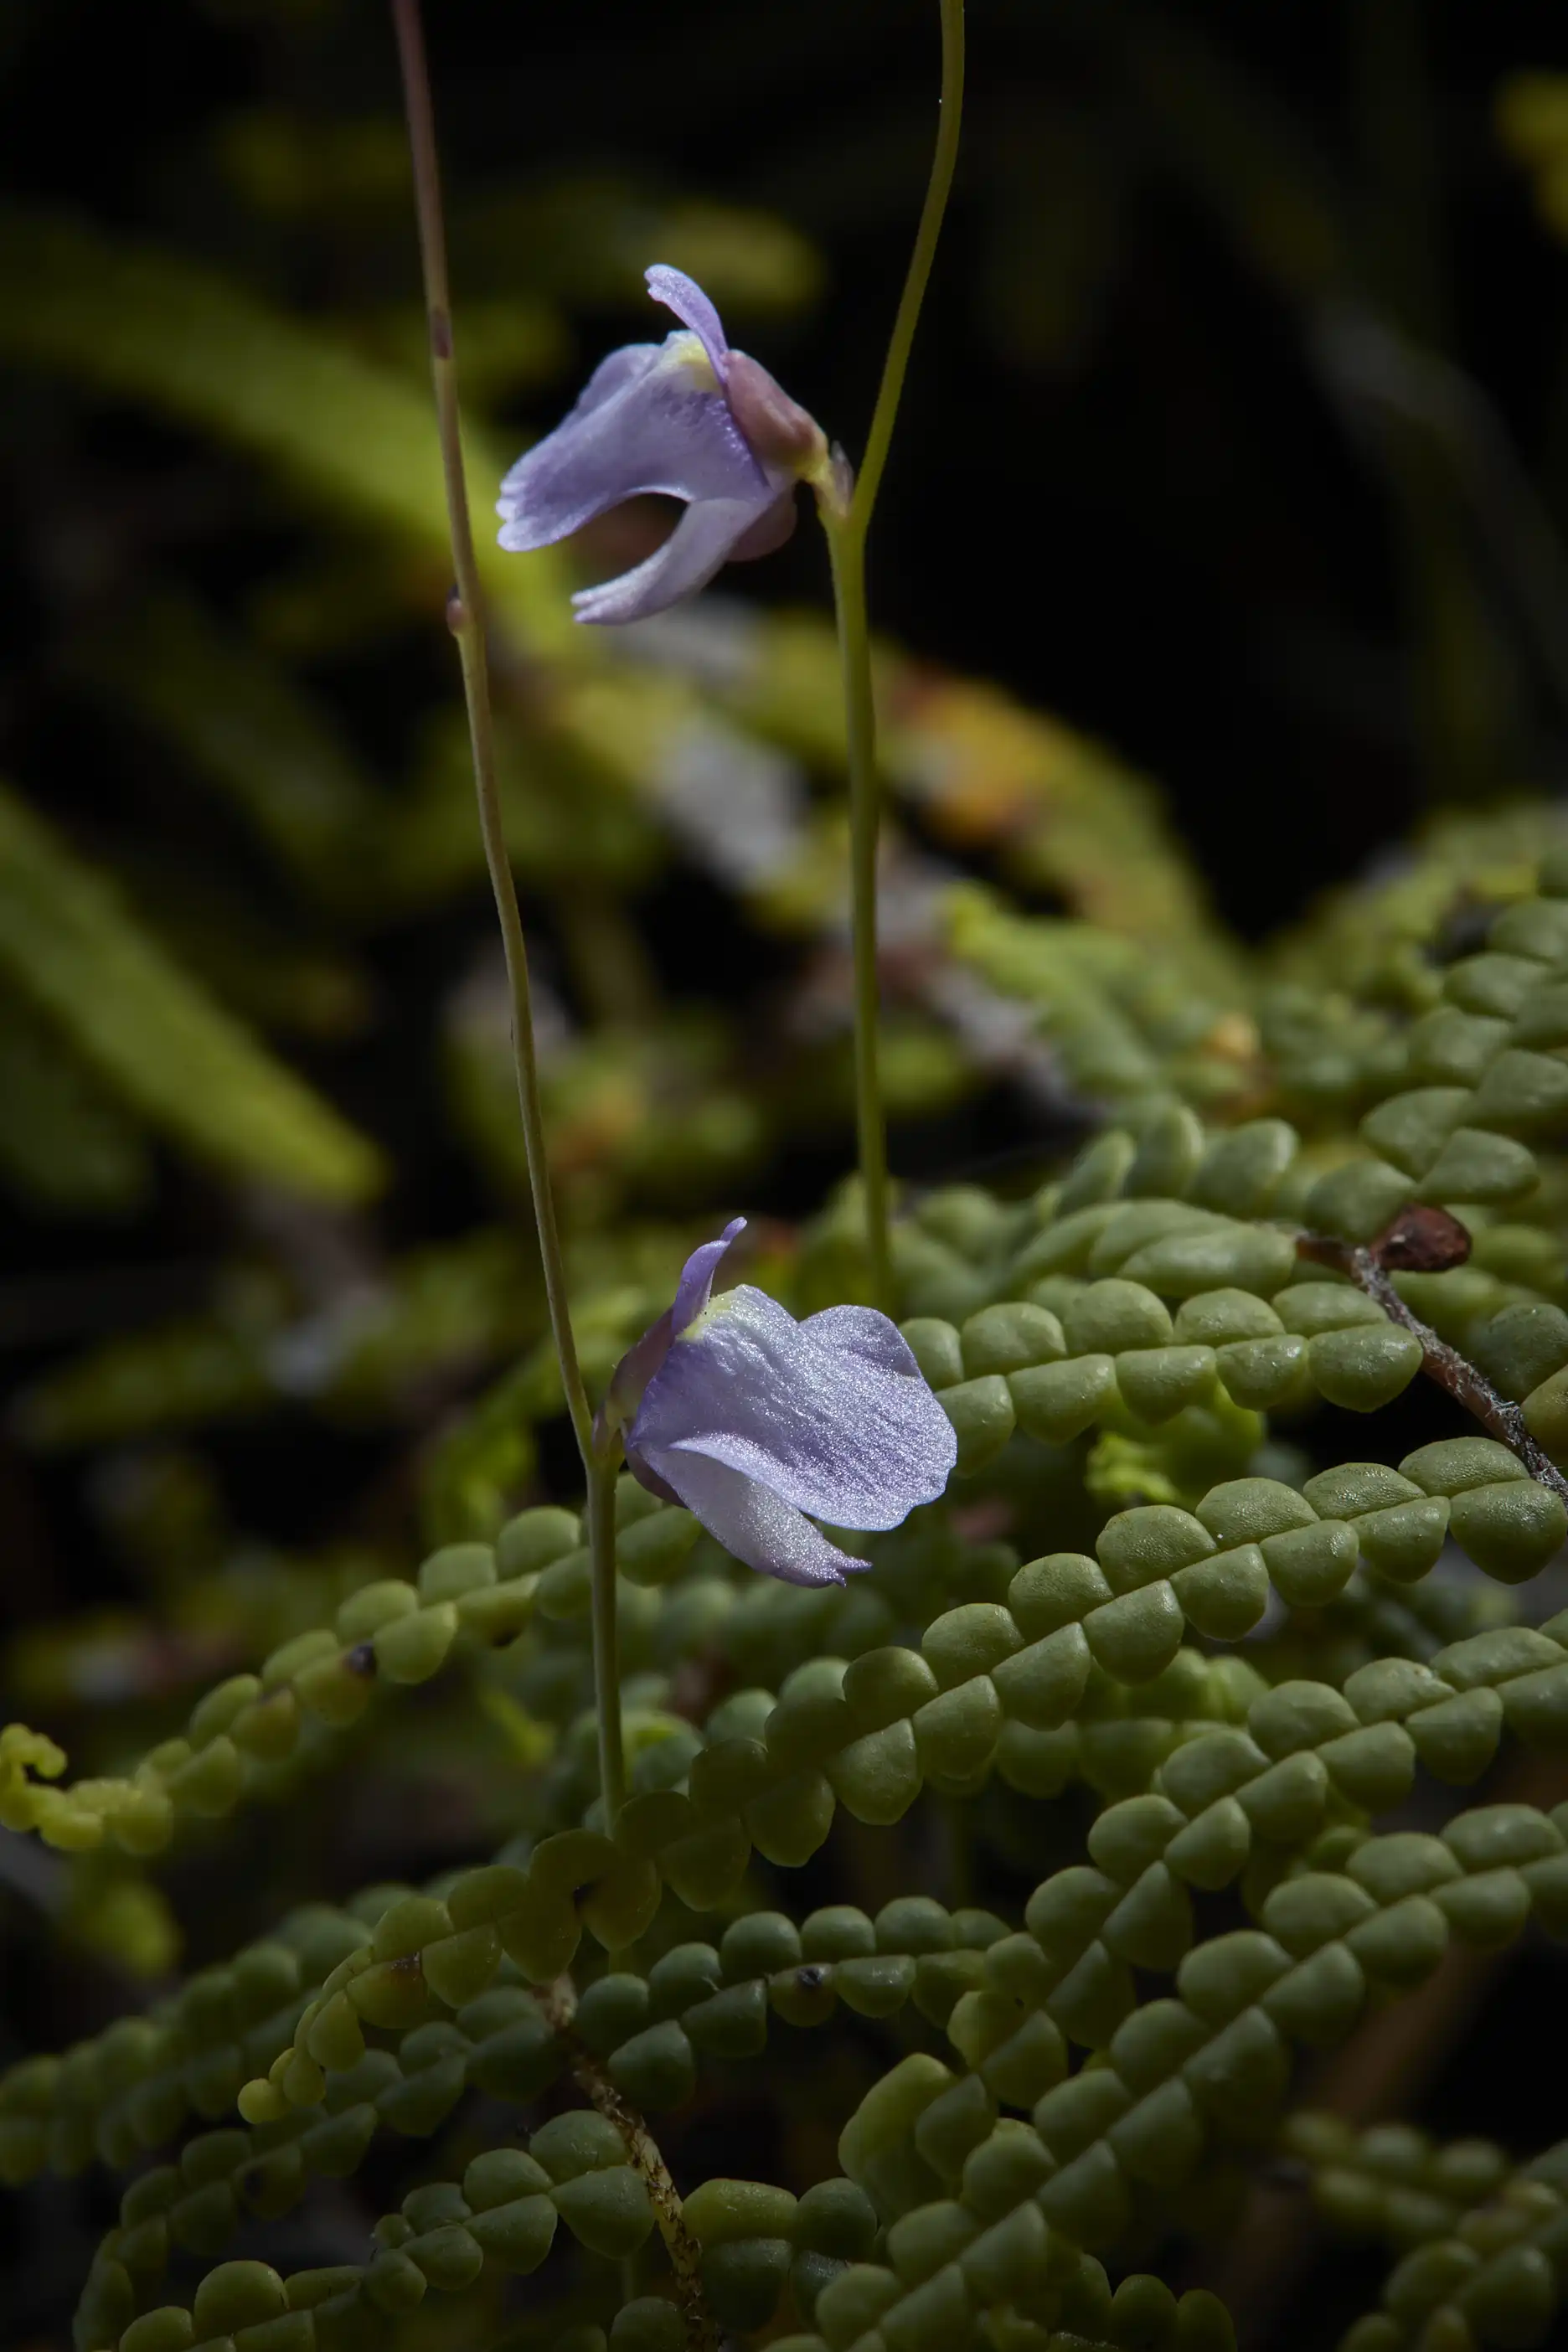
(696, 1284)
(691, 307)
(861, 1331)
(703, 539)
(650, 418)
(828, 1413)
(616, 372)
(755, 1524)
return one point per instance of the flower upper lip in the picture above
(661, 418)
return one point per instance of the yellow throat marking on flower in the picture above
(724, 1304)
(685, 350)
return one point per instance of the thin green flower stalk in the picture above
(466, 618)
(846, 522)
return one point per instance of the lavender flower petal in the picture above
(701, 542)
(643, 1357)
(650, 419)
(753, 1524)
(686, 417)
(772, 527)
(692, 307)
(834, 1420)
(862, 1331)
(616, 372)
(696, 1284)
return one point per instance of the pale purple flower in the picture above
(688, 418)
(752, 1420)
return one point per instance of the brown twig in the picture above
(559, 2003)
(1428, 1241)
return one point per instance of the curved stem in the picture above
(846, 522)
(465, 613)
(847, 552)
(949, 124)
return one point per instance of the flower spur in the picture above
(688, 418)
(752, 1420)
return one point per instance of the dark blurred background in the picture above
(1140, 476)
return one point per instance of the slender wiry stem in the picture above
(846, 551)
(559, 2003)
(903, 335)
(846, 522)
(1368, 1268)
(607, 1661)
(466, 615)
(1464, 1383)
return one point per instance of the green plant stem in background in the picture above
(606, 1661)
(937, 190)
(847, 526)
(846, 551)
(467, 618)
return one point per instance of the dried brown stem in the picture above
(559, 2004)
(1426, 1240)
